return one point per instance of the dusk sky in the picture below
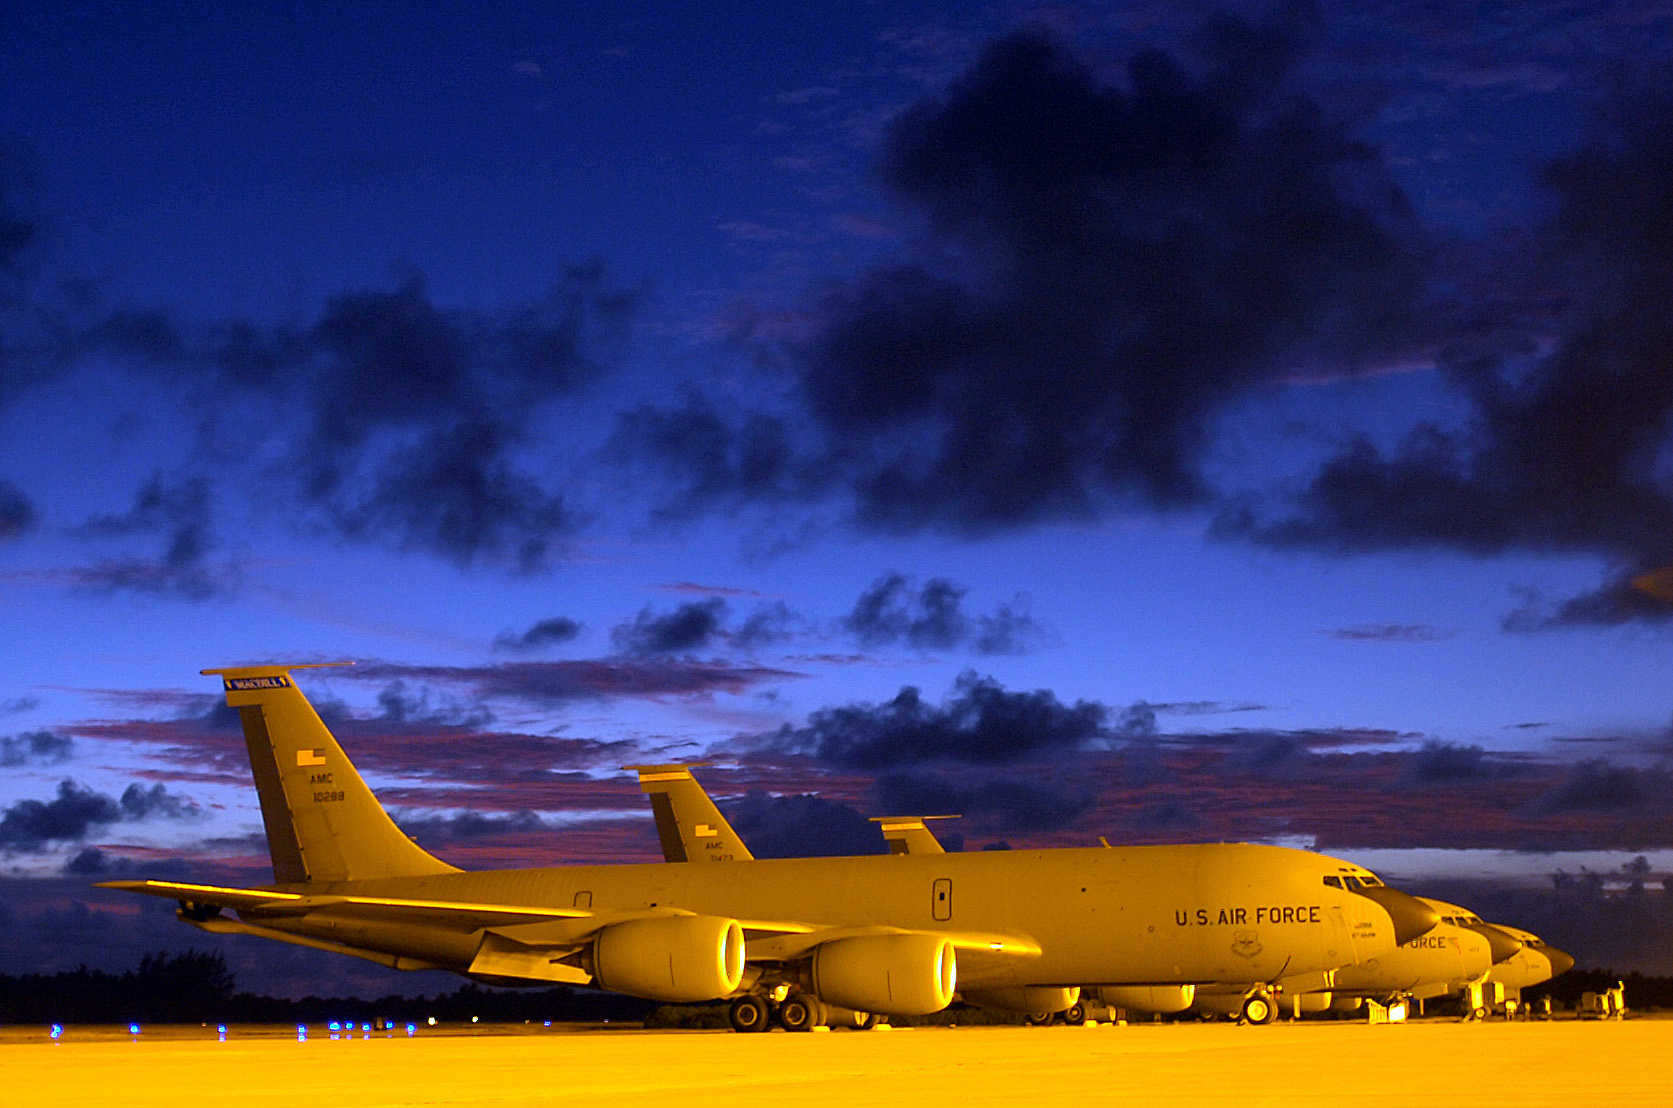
(1160, 421)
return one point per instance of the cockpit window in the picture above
(1372, 882)
(1333, 882)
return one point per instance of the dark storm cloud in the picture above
(1105, 267)
(180, 512)
(715, 461)
(1563, 452)
(981, 724)
(18, 229)
(1439, 762)
(74, 813)
(893, 611)
(41, 748)
(17, 511)
(1016, 803)
(77, 811)
(1596, 785)
(407, 708)
(545, 683)
(416, 419)
(547, 632)
(687, 628)
(468, 825)
(802, 827)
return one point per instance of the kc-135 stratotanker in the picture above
(878, 935)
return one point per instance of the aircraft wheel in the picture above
(750, 1013)
(1478, 1013)
(867, 1021)
(1074, 1015)
(801, 1012)
(1039, 1019)
(1259, 1009)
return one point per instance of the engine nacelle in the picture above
(680, 959)
(1148, 998)
(894, 975)
(1030, 1000)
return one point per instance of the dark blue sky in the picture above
(1157, 420)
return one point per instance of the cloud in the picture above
(687, 628)
(469, 825)
(890, 611)
(981, 724)
(180, 511)
(1102, 268)
(30, 825)
(1388, 632)
(547, 632)
(18, 230)
(1016, 803)
(1439, 763)
(38, 747)
(546, 683)
(77, 811)
(1561, 452)
(17, 512)
(1595, 785)
(802, 827)
(414, 419)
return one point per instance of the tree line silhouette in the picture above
(197, 987)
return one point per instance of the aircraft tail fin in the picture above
(909, 834)
(688, 823)
(323, 823)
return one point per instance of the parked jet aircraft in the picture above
(1521, 959)
(1439, 963)
(892, 935)
(1429, 965)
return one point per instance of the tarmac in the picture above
(1565, 1062)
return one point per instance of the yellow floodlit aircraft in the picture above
(1520, 959)
(889, 935)
(691, 826)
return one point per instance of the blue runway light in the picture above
(411, 1030)
(133, 1029)
(57, 1030)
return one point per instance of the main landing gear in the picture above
(796, 1012)
(750, 1012)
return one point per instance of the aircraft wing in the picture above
(767, 941)
(455, 915)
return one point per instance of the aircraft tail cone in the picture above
(1411, 916)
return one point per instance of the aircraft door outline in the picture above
(941, 899)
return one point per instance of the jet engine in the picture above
(680, 959)
(895, 975)
(1030, 1000)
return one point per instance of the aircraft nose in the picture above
(1561, 962)
(1411, 916)
(1502, 943)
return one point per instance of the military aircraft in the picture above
(894, 935)
(1442, 961)
(1520, 958)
